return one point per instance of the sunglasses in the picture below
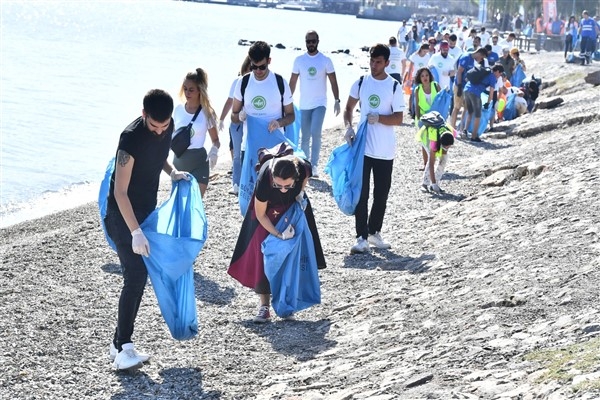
(286, 187)
(311, 41)
(261, 67)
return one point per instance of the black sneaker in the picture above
(476, 139)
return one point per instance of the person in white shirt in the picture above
(262, 98)
(468, 43)
(454, 50)
(485, 36)
(380, 148)
(402, 33)
(444, 65)
(420, 59)
(496, 48)
(313, 68)
(397, 65)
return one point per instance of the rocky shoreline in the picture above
(491, 291)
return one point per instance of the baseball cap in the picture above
(444, 44)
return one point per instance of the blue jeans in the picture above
(311, 126)
(367, 224)
(135, 276)
(236, 132)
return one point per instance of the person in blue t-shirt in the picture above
(589, 30)
(472, 93)
(464, 63)
(492, 56)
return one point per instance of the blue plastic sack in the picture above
(510, 111)
(517, 77)
(486, 116)
(345, 167)
(103, 199)
(292, 131)
(291, 265)
(257, 136)
(435, 73)
(176, 232)
(441, 103)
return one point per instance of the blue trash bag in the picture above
(517, 77)
(176, 232)
(486, 116)
(291, 265)
(510, 110)
(258, 136)
(441, 103)
(292, 131)
(345, 167)
(435, 73)
(103, 199)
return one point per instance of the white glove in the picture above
(301, 200)
(349, 136)
(212, 157)
(336, 108)
(178, 175)
(288, 233)
(139, 243)
(435, 188)
(242, 115)
(221, 125)
(372, 118)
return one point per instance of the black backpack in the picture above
(434, 119)
(477, 74)
(279, 79)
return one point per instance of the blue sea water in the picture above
(73, 75)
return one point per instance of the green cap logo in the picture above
(312, 71)
(374, 101)
(259, 102)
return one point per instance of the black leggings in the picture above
(568, 44)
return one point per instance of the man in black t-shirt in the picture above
(141, 156)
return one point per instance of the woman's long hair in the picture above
(201, 79)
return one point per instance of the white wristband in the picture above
(136, 232)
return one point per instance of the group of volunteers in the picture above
(258, 96)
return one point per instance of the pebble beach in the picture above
(490, 291)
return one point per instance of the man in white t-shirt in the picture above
(382, 106)
(443, 64)
(397, 65)
(485, 36)
(402, 32)
(454, 50)
(262, 98)
(313, 68)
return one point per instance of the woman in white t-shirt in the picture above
(236, 131)
(195, 159)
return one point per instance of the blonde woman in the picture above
(195, 159)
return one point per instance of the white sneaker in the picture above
(127, 359)
(112, 353)
(361, 246)
(234, 189)
(315, 172)
(377, 241)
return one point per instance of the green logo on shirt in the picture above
(259, 102)
(312, 71)
(374, 101)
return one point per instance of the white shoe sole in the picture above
(134, 367)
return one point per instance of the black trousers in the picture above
(135, 276)
(370, 223)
